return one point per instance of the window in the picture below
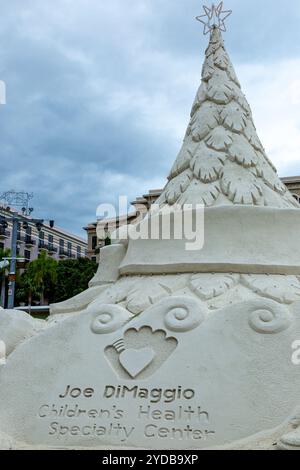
(50, 241)
(296, 197)
(1, 246)
(94, 259)
(78, 251)
(94, 243)
(61, 246)
(28, 234)
(41, 239)
(19, 232)
(27, 255)
(69, 249)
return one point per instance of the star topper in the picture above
(214, 18)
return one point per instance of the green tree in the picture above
(73, 277)
(39, 278)
(57, 281)
(4, 253)
(26, 290)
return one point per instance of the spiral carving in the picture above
(182, 314)
(108, 319)
(269, 317)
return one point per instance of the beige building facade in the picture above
(141, 206)
(293, 184)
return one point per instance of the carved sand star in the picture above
(214, 18)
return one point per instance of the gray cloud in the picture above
(99, 93)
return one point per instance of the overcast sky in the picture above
(99, 93)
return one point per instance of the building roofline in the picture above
(120, 218)
(57, 230)
(290, 179)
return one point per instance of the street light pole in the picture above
(13, 263)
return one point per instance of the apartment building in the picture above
(32, 238)
(96, 241)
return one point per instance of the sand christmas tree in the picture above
(222, 160)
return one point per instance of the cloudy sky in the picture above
(99, 93)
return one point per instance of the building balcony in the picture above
(43, 245)
(4, 234)
(52, 250)
(29, 242)
(64, 254)
(48, 247)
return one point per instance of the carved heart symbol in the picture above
(135, 361)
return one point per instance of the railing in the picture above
(4, 233)
(66, 253)
(43, 245)
(29, 241)
(47, 246)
